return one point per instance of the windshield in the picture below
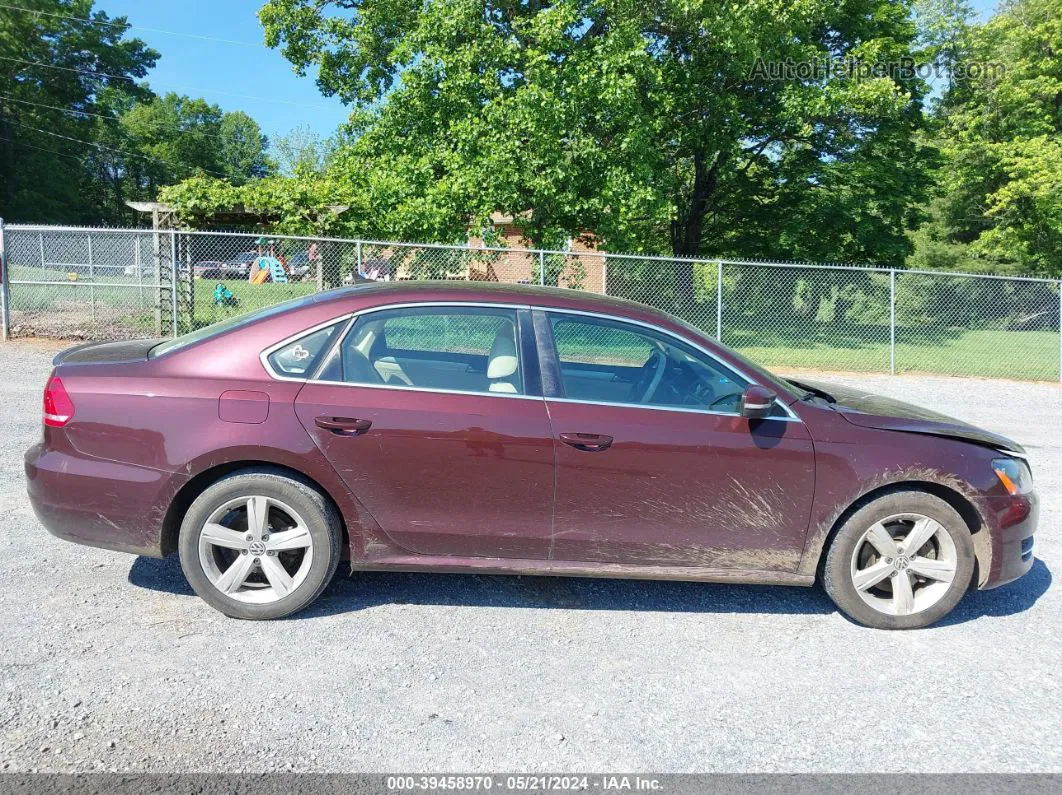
(213, 330)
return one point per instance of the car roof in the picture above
(384, 292)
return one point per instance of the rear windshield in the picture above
(213, 330)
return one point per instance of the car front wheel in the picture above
(901, 561)
(259, 544)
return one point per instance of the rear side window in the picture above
(454, 349)
(233, 323)
(299, 358)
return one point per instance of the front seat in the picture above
(357, 369)
(503, 366)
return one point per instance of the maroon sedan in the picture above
(461, 427)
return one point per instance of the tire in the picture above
(865, 570)
(282, 562)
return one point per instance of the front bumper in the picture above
(1014, 520)
(99, 503)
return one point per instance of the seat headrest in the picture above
(503, 362)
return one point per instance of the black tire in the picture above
(837, 567)
(317, 512)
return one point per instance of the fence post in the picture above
(359, 259)
(719, 301)
(139, 270)
(156, 253)
(188, 281)
(542, 268)
(5, 294)
(92, 279)
(40, 242)
(173, 280)
(318, 260)
(604, 276)
(892, 321)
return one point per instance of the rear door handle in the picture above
(343, 426)
(590, 442)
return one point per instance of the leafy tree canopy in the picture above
(645, 124)
(81, 132)
(1001, 133)
(49, 83)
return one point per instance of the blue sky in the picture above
(220, 71)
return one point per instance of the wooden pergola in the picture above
(164, 216)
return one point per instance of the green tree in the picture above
(302, 151)
(656, 126)
(54, 72)
(242, 154)
(174, 137)
(1001, 134)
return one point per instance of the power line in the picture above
(171, 85)
(121, 151)
(126, 26)
(40, 148)
(73, 112)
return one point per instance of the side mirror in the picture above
(756, 402)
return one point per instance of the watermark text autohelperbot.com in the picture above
(857, 69)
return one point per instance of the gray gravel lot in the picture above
(110, 662)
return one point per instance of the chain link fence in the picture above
(74, 283)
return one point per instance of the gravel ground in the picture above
(110, 662)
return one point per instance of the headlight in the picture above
(1014, 474)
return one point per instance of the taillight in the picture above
(58, 407)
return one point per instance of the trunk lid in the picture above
(118, 352)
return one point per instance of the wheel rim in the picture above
(904, 564)
(255, 549)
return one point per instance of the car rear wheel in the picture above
(902, 561)
(259, 544)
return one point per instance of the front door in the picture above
(423, 412)
(655, 465)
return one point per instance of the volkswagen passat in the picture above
(463, 427)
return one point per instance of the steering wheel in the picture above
(721, 398)
(651, 376)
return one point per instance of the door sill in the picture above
(571, 568)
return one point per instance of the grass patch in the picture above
(1026, 355)
(251, 297)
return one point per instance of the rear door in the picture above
(433, 416)
(655, 465)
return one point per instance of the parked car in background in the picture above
(299, 266)
(239, 267)
(210, 269)
(468, 427)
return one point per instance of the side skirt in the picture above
(568, 568)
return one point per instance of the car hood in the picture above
(877, 411)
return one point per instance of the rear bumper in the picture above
(1015, 520)
(99, 503)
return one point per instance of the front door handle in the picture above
(590, 442)
(343, 426)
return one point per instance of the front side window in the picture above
(608, 361)
(460, 349)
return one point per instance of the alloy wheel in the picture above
(904, 564)
(255, 549)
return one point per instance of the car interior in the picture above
(476, 350)
(602, 361)
(460, 352)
